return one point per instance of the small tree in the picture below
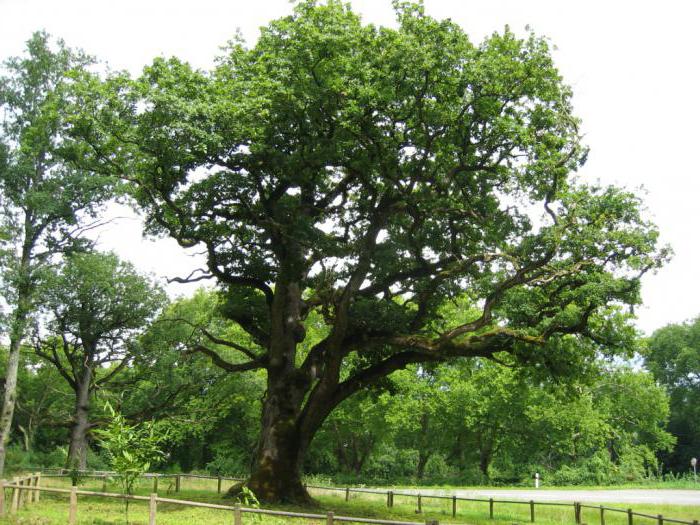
(96, 304)
(130, 448)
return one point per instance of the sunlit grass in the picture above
(53, 508)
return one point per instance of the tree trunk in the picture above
(27, 437)
(10, 395)
(425, 445)
(423, 457)
(276, 473)
(17, 329)
(77, 450)
(485, 455)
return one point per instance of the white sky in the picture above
(633, 66)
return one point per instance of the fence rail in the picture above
(491, 501)
(24, 492)
(390, 495)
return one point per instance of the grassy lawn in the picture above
(53, 509)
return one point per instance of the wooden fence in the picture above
(27, 490)
(576, 507)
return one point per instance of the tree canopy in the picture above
(370, 176)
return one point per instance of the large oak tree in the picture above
(369, 175)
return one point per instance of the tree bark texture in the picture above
(18, 327)
(276, 474)
(77, 450)
(8, 404)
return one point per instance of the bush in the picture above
(389, 464)
(225, 465)
(18, 459)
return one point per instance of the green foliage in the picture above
(131, 449)
(247, 498)
(351, 186)
(44, 199)
(43, 196)
(100, 298)
(196, 401)
(474, 422)
(327, 132)
(673, 357)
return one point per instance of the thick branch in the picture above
(221, 363)
(216, 340)
(113, 372)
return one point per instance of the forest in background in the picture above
(469, 422)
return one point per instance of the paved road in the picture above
(653, 496)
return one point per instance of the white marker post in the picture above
(537, 480)
(694, 463)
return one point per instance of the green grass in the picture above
(504, 513)
(677, 484)
(53, 509)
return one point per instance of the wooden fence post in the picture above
(22, 493)
(532, 511)
(347, 493)
(389, 499)
(630, 517)
(660, 520)
(152, 508)
(15, 496)
(237, 518)
(177, 483)
(602, 515)
(38, 485)
(420, 509)
(30, 494)
(491, 508)
(218, 485)
(155, 484)
(104, 483)
(577, 513)
(2, 497)
(35, 483)
(27, 492)
(73, 505)
(329, 518)
(454, 506)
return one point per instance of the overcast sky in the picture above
(633, 67)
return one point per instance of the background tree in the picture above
(42, 197)
(350, 435)
(673, 357)
(420, 401)
(368, 176)
(96, 305)
(193, 399)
